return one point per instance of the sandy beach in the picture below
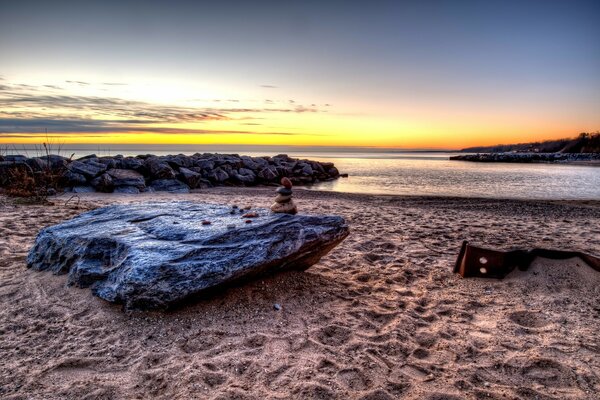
(381, 317)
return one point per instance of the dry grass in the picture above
(35, 186)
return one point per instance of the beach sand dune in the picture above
(381, 317)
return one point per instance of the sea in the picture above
(399, 172)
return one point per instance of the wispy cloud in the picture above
(268, 86)
(79, 83)
(27, 109)
(77, 126)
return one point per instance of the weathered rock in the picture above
(267, 174)
(88, 157)
(193, 179)
(244, 179)
(132, 163)
(333, 172)
(286, 183)
(15, 158)
(288, 207)
(103, 183)
(56, 162)
(249, 163)
(169, 185)
(205, 164)
(218, 175)
(71, 178)
(155, 255)
(179, 161)
(159, 169)
(89, 169)
(37, 164)
(126, 177)
(110, 162)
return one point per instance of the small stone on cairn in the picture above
(283, 201)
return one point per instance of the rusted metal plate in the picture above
(480, 262)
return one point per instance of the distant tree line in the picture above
(584, 143)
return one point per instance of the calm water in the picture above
(416, 173)
(435, 174)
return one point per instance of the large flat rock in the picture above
(154, 255)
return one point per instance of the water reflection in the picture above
(435, 174)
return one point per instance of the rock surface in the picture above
(155, 255)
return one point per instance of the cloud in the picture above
(268, 86)
(27, 109)
(79, 82)
(37, 126)
(114, 84)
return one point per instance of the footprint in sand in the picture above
(334, 335)
(354, 379)
(529, 319)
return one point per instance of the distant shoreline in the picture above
(588, 159)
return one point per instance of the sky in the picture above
(402, 74)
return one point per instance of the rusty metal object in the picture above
(479, 262)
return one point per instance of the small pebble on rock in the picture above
(277, 306)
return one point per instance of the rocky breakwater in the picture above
(564, 158)
(173, 173)
(155, 255)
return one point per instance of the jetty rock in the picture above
(157, 255)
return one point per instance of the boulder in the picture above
(88, 157)
(169, 185)
(127, 177)
(205, 164)
(89, 169)
(179, 161)
(103, 183)
(109, 162)
(56, 162)
(268, 173)
(159, 169)
(38, 164)
(247, 162)
(243, 179)
(218, 175)
(132, 163)
(71, 178)
(191, 178)
(15, 158)
(156, 255)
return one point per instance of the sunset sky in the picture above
(405, 74)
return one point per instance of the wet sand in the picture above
(381, 317)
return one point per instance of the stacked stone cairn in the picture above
(283, 201)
